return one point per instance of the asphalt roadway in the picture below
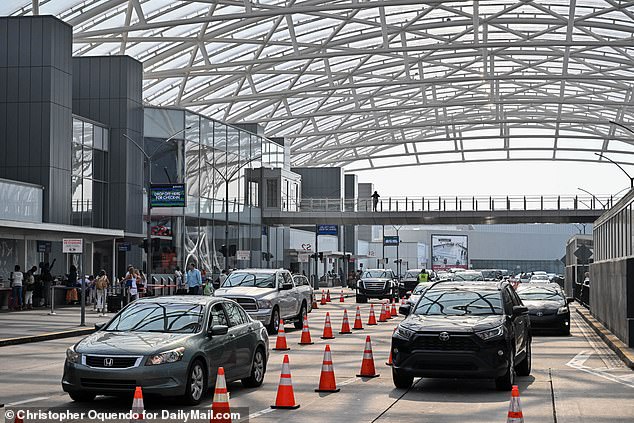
(574, 379)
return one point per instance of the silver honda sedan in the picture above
(170, 346)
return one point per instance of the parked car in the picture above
(408, 282)
(547, 306)
(468, 275)
(169, 346)
(539, 278)
(418, 291)
(269, 295)
(377, 283)
(302, 283)
(463, 330)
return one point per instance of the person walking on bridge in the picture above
(375, 200)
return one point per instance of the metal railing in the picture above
(459, 203)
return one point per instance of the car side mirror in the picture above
(99, 326)
(286, 286)
(570, 300)
(519, 310)
(217, 330)
(405, 309)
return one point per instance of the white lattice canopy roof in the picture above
(372, 84)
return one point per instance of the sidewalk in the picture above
(21, 327)
(624, 352)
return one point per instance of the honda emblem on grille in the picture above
(443, 336)
(108, 362)
(540, 313)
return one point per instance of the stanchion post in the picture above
(52, 312)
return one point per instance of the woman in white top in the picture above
(16, 283)
(101, 285)
(132, 287)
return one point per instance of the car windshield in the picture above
(491, 274)
(258, 280)
(410, 275)
(468, 276)
(375, 274)
(459, 302)
(158, 317)
(420, 288)
(539, 278)
(540, 294)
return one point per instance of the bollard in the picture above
(52, 312)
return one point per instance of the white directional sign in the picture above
(73, 245)
(243, 255)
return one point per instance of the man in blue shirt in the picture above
(194, 280)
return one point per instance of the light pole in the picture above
(148, 159)
(398, 243)
(603, 156)
(593, 196)
(226, 178)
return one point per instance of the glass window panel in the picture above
(192, 168)
(220, 159)
(106, 139)
(98, 137)
(99, 165)
(99, 204)
(78, 133)
(76, 159)
(87, 164)
(88, 139)
(76, 200)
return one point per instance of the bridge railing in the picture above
(459, 203)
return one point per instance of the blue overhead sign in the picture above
(390, 240)
(327, 229)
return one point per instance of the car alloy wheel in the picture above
(197, 382)
(258, 366)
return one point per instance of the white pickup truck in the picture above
(269, 295)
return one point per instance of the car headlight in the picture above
(405, 332)
(563, 310)
(491, 333)
(72, 356)
(171, 356)
(264, 304)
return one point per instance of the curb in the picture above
(623, 351)
(45, 337)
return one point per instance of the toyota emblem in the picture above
(443, 336)
(539, 313)
(108, 362)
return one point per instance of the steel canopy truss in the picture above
(376, 84)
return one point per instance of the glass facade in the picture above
(211, 158)
(613, 236)
(90, 177)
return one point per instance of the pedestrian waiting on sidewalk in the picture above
(101, 285)
(16, 279)
(194, 279)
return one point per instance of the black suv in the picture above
(463, 330)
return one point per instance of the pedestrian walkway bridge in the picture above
(443, 210)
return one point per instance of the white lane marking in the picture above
(578, 363)
(348, 381)
(13, 404)
(260, 413)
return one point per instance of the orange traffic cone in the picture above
(382, 316)
(371, 318)
(285, 398)
(358, 324)
(327, 329)
(328, 296)
(138, 410)
(17, 418)
(367, 365)
(388, 316)
(220, 404)
(314, 305)
(327, 378)
(323, 298)
(389, 359)
(305, 334)
(393, 312)
(403, 301)
(280, 344)
(345, 325)
(341, 300)
(515, 408)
